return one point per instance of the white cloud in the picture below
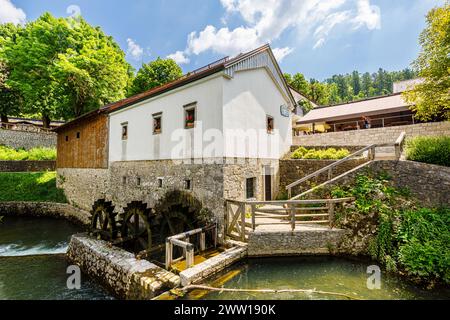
(281, 53)
(10, 13)
(134, 50)
(179, 57)
(367, 15)
(319, 43)
(264, 21)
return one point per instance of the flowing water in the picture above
(339, 275)
(33, 266)
(33, 263)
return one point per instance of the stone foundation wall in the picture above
(206, 182)
(235, 176)
(299, 242)
(373, 136)
(293, 170)
(45, 209)
(430, 184)
(118, 270)
(27, 140)
(27, 166)
(83, 187)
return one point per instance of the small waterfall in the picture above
(43, 248)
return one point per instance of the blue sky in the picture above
(316, 37)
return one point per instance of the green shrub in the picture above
(35, 154)
(433, 150)
(320, 154)
(27, 186)
(411, 239)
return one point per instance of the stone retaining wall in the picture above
(303, 241)
(429, 183)
(27, 166)
(45, 209)
(118, 270)
(294, 169)
(27, 140)
(373, 136)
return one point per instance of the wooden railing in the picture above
(182, 240)
(243, 216)
(330, 168)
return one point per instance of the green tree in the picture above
(65, 67)
(10, 100)
(154, 74)
(432, 98)
(356, 82)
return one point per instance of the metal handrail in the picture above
(329, 167)
(398, 152)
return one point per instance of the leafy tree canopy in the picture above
(154, 74)
(348, 87)
(432, 98)
(64, 67)
(10, 99)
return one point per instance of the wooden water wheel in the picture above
(136, 229)
(103, 220)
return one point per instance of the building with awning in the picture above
(384, 111)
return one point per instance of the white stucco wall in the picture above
(226, 108)
(249, 97)
(142, 144)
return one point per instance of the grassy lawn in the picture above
(30, 186)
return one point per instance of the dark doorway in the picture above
(268, 187)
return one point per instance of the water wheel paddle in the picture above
(136, 229)
(103, 220)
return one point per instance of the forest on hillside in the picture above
(348, 87)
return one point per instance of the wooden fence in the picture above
(241, 217)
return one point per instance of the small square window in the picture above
(157, 123)
(78, 135)
(189, 116)
(138, 181)
(124, 131)
(67, 138)
(160, 183)
(270, 124)
(187, 184)
(250, 188)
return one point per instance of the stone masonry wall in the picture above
(206, 182)
(45, 209)
(83, 187)
(27, 140)
(294, 169)
(373, 136)
(428, 183)
(27, 166)
(236, 174)
(302, 241)
(118, 270)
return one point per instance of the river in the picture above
(33, 264)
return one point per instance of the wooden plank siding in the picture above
(90, 150)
